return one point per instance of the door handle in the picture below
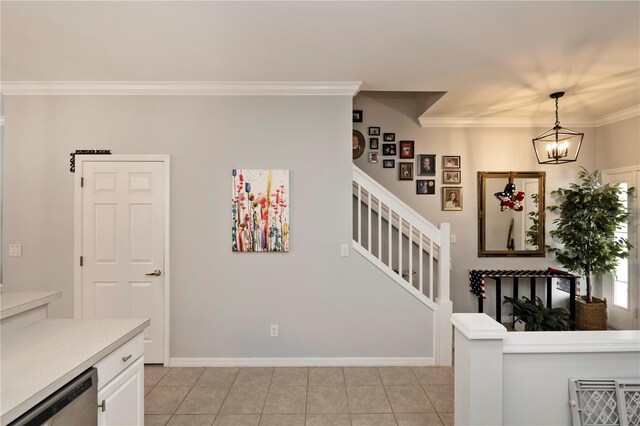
(155, 273)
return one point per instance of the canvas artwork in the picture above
(260, 210)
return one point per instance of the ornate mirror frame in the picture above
(489, 201)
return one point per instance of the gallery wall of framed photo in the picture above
(455, 155)
(389, 150)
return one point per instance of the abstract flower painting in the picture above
(260, 210)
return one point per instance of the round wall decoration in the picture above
(358, 144)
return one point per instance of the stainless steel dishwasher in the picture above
(75, 404)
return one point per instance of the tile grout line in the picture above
(347, 395)
(226, 395)
(344, 380)
(306, 398)
(434, 405)
(264, 403)
(185, 396)
(422, 385)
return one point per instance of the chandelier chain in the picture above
(557, 120)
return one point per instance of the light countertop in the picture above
(14, 303)
(40, 358)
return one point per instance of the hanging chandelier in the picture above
(558, 145)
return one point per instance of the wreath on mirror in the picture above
(510, 198)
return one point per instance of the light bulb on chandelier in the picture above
(557, 150)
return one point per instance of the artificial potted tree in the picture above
(589, 214)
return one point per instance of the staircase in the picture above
(409, 249)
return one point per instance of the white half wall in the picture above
(522, 378)
(222, 303)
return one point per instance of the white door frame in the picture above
(609, 173)
(77, 235)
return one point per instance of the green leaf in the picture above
(589, 212)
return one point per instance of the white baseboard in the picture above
(303, 362)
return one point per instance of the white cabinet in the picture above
(121, 401)
(121, 385)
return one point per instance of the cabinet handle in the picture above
(126, 358)
(103, 405)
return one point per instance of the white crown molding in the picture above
(179, 88)
(303, 362)
(620, 170)
(529, 122)
(501, 122)
(619, 116)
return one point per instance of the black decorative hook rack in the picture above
(72, 161)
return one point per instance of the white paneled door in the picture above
(123, 228)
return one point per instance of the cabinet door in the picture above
(121, 402)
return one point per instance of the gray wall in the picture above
(222, 303)
(481, 149)
(619, 144)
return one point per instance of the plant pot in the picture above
(518, 326)
(591, 316)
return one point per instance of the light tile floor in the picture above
(358, 396)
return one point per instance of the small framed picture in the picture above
(389, 137)
(373, 143)
(451, 176)
(358, 144)
(426, 164)
(406, 149)
(374, 131)
(406, 171)
(373, 157)
(388, 164)
(357, 116)
(388, 149)
(451, 198)
(426, 187)
(450, 161)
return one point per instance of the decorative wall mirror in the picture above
(511, 214)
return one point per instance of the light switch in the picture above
(15, 250)
(453, 238)
(345, 250)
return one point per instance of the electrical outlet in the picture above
(453, 238)
(345, 250)
(274, 330)
(15, 249)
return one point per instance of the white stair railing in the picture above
(416, 253)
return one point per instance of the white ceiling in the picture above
(493, 59)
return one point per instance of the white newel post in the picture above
(479, 370)
(446, 307)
